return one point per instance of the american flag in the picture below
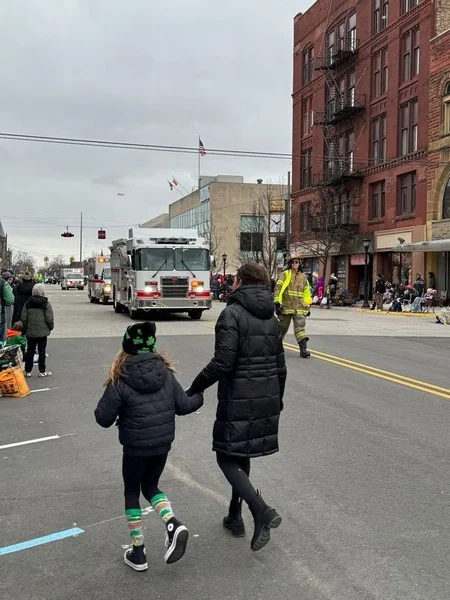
(201, 147)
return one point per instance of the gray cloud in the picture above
(146, 72)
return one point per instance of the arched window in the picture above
(446, 108)
(446, 202)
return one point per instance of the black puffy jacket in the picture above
(249, 365)
(146, 400)
(22, 294)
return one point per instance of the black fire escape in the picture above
(342, 109)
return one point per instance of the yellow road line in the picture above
(422, 386)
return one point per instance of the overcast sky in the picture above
(128, 71)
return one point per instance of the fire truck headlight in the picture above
(107, 288)
(148, 289)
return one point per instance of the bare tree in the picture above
(22, 261)
(328, 223)
(213, 239)
(55, 265)
(262, 236)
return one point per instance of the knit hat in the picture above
(6, 275)
(27, 276)
(140, 338)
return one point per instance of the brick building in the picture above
(360, 127)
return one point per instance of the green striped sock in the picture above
(134, 520)
(161, 505)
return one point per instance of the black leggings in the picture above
(141, 473)
(237, 470)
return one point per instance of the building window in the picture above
(406, 198)
(410, 54)
(377, 201)
(308, 116)
(446, 202)
(331, 50)
(305, 216)
(352, 33)
(306, 160)
(379, 140)
(380, 73)
(351, 88)
(251, 234)
(409, 127)
(307, 65)
(446, 107)
(380, 15)
(407, 5)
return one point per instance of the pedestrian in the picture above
(380, 290)
(142, 392)
(250, 367)
(432, 280)
(215, 285)
(38, 323)
(6, 302)
(320, 291)
(22, 294)
(293, 301)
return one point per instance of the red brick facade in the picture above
(403, 154)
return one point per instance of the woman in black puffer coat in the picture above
(250, 367)
(22, 294)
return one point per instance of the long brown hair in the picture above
(118, 367)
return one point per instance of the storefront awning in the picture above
(433, 246)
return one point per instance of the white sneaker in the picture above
(45, 374)
(27, 374)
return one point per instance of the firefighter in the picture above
(292, 297)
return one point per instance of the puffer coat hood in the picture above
(22, 294)
(145, 401)
(250, 367)
(257, 299)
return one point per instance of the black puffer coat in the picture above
(249, 365)
(146, 400)
(22, 294)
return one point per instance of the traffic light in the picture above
(67, 234)
(101, 234)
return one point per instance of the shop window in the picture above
(406, 197)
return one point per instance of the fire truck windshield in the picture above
(166, 259)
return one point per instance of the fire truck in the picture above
(161, 270)
(99, 279)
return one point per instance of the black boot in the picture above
(233, 521)
(266, 518)
(304, 352)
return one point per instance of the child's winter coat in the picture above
(145, 400)
(16, 338)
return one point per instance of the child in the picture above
(141, 390)
(15, 336)
(38, 323)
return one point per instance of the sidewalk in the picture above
(385, 311)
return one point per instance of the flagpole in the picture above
(199, 176)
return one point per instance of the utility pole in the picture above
(81, 237)
(287, 216)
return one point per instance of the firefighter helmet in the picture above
(295, 257)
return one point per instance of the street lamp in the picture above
(224, 258)
(366, 246)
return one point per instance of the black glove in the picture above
(278, 308)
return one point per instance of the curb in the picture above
(398, 314)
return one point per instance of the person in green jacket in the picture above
(15, 336)
(6, 299)
(38, 322)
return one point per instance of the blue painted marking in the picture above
(46, 539)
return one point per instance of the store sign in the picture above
(276, 206)
(357, 260)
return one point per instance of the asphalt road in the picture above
(361, 479)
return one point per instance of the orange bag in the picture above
(13, 383)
